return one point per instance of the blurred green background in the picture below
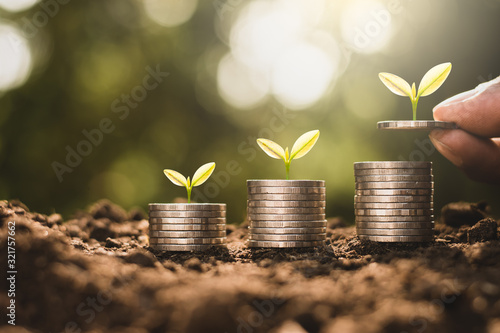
(237, 70)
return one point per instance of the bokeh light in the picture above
(170, 13)
(15, 58)
(17, 5)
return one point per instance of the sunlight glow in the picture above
(17, 5)
(15, 58)
(170, 13)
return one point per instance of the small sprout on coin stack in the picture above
(431, 81)
(301, 147)
(200, 176)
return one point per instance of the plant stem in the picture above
(189, 194)
(414, 107)
(287, 165)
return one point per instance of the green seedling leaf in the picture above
(304, 144)
(301, 147)
(203, 173)
(272, 149)
(200, 176)
(433, 79)
(176, 177)
(395, 84)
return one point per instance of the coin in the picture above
(395, 225)
(285, 204)
(285, 217)
(394, 198)
(288, 224)
(394, 232)
(393, 212)
(187, 220)
(274, 210)
(394, 185)
(182, 227)
(393, 205)
(394, 178)
(187, 234)
(283, 183)
(411, 218)
(252, 243)
(403, 239)
(421, 125)
(292, 197)
(288, 237)
(395, 191)
(186, 207)
(165, 213)
(286, 190)
(287, 230)
(393, 165)
(392, 171)
(193, 247)
(186, 241)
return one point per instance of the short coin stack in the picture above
(394, 201)
(286, 213)
(187, 227)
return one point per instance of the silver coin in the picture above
(395, 232)
(287, 238)
(290, 197)
(252, 243)
(395, 239)
(393, 212)
(286, 190)
(187, 220)
(287, 230)
(187, 234)
(286, 204)
(415, 125)
(182, 227)
(199, 214)
(393, 205)
(393, 199)
(390, 171)
(395, 225)
(193, 247)
(393, 165)
(411, 218)
(288, 224)
(394, 185)
(395, 192)
(274, 210)
(186, 241)
(282, 183)
(285, 217)
(394, 178)
(186, 207)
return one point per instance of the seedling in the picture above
(200, 176)
(301, 147)
(431, 81)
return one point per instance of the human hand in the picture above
(475, 147)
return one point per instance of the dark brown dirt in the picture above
(95, 273)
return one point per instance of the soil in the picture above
(95, 273)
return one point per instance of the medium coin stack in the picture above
(187, 227)
(394, 201)
(286, 213)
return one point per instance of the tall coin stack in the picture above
(394, 201)
(286, 213)
(187, 227)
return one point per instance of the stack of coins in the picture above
(394, 201)
(187, 227)
(286, 213)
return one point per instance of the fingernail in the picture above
(456, 99)
(444, 149)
